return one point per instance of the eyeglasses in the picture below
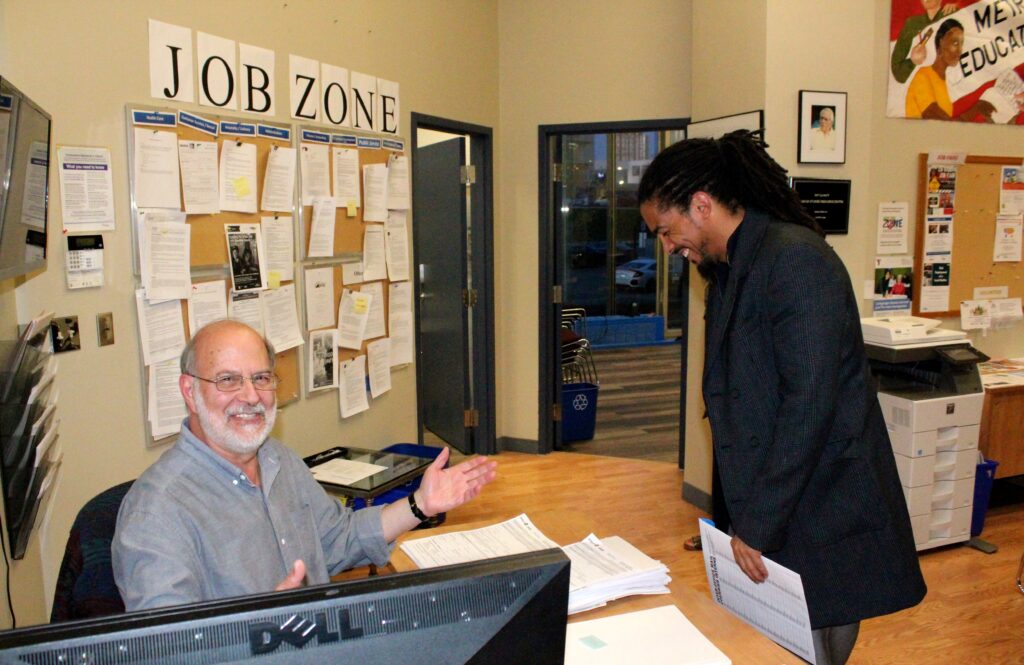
(232, 383)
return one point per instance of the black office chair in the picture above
(85, 584)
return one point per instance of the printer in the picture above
(911, 355)
(931, 396)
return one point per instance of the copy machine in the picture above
(931, 397)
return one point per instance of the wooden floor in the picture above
(637, 404)
(973, 612)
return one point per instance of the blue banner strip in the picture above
(343, 139)
(237, 128)
(194, 121)
(154, 118)
(394, 145)
(275, 132)
(369, 143)
(315, 137)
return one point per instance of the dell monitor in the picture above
(511, 609)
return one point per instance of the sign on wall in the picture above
(957, 60)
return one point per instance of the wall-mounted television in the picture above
(24, 182)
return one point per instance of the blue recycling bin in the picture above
(983, 479)
(579, 411)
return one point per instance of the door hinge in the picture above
(556, 172)
(556, 295)
(469, 297)
(556, 412)
(471, 418)
(467, 174)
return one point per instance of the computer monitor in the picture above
(507, 610)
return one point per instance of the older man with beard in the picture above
(230, 511)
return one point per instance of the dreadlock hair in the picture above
(735, 169)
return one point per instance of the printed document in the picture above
(247, 307)
(315, 172)
(352, 392)
(776, 607)
(165, 260)
(375, 326)
(346, 177)
(514, 536)
(319, 298)
(86, 189)
(344, 471)
(161, 329)
(375, 186)
(156, 169)
(374, 266)
(321, 228)
(397, 246)
(238, 176)
(400, 322)
(199, 178)
(379, 360)
(281, 318)
(659, 636)
(279, 181)
(353, 312)
(206, 304)
(166, 405)
(398, 183)
(279, 242)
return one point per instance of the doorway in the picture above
(453, 287)
(600, 265)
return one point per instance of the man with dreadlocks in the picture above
(802, 457)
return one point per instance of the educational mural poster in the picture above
(957, 60)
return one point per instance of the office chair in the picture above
(85, 584)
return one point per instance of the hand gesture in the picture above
(444, 489)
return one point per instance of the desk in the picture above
(736, 639)
(1001, 437)
(399, 470)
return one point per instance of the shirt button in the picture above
(234, 482)
(282, 541)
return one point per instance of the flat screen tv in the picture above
(507, 610)
(24, 182)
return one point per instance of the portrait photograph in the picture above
(822, 127)
(323, 365)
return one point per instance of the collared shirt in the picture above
(194, 527)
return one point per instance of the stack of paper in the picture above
(610, 568)
(602, 569)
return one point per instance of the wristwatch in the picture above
(417, 513)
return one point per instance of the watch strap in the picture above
(417, 513)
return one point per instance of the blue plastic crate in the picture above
(403, 491)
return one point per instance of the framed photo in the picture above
(822, 127)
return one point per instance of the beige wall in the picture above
(511, 65)
(566, 62)
(83, 61)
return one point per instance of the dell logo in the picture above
(297, 631)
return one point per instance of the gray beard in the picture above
(223, 436)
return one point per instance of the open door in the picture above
(443, 348)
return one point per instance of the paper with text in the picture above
(514, 536)
(776, 607)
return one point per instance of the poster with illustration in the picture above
(956, 60)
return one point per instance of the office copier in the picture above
(931, 396)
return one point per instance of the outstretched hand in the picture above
(443, 489)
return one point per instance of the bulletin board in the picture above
(976, 205)
(208, 247)
(349, 224)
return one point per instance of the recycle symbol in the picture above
(579, 403)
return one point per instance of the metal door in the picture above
(443, 353)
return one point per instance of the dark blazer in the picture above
(807, 470)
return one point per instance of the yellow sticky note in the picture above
(361, 304)
(241, 185)
(352, 208)
(274, 279)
